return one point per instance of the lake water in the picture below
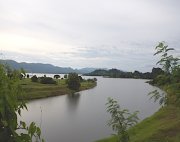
(83, 117)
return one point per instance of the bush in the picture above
(34, 78)
(162, 79)
(11, 128)
(80, 78)
(73, 81)
(92, 80)
(65, 76)
(57, 76)
(95, 79)
(176, 75)
(46, 80)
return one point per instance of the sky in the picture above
(118, 34)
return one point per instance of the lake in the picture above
(83, 117)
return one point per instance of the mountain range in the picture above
(44, 68)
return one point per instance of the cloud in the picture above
(93, 33)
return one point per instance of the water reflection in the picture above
(72, 101)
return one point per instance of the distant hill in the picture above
(44, 68)
(115, 73)
(86, 70)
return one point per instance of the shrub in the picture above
(10, 109)
(73, 81)
(92, 80)
(34, 78)
(46, 80)
(95, 79)
(80, 78)
(56, 76)
(65, 76)
(163, 79)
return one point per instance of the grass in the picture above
(35, 90)
(163, 126)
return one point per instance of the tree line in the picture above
(115, 73)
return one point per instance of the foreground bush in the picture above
(10, 108)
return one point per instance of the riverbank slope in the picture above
(163, 126)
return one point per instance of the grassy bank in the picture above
(163, 126)
(35, 90)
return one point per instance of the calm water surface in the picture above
(83, 117)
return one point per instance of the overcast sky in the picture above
(88, 33)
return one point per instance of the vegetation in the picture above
(121, 120)
(73, 81)
(164, 125)
(169, 78)
(46, 80)
(36, 90)
(65, 76)
(115, 73)
(10, 129)
(34, 78)
(57, 76)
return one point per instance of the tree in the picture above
(73, 81)
(167, 61)
(10, 107)
(57, 76)
(34, 78)
(95, 79)
(156, 72)
(65, 76)
(80, 78)
(120, 120)
(170, 75)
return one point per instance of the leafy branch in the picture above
(167, 61)
(120, 120)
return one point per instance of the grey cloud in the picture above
(113, 33)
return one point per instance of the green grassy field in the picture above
(35, 90)
(163, 126)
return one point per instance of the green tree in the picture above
(156, 72)
(57, 76)
(171, 74)
(73, 81)
(80, 78)
(10, 107)
(120, 120)
(167, 61)
(27, 75)
(65, 76)
(34, 78)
